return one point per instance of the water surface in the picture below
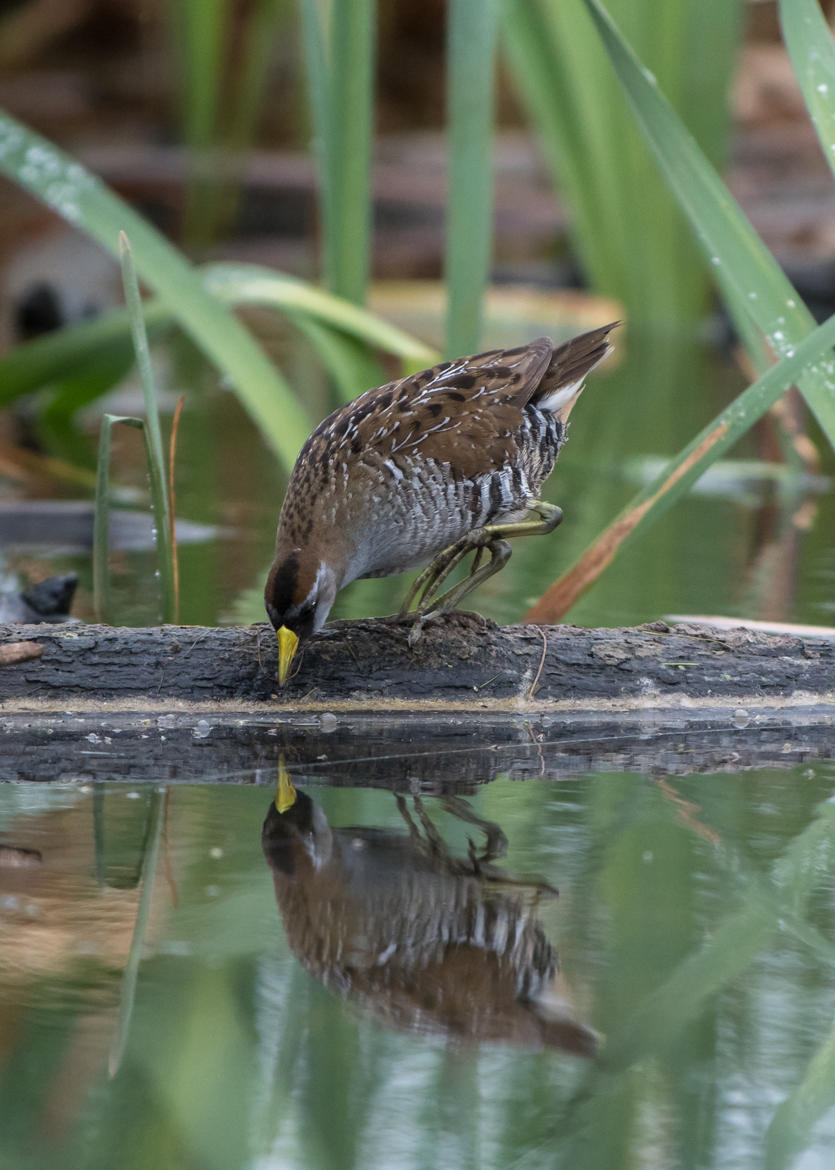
(392, 980)
(391, 986)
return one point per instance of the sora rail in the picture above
(413, 934)
(422, 472)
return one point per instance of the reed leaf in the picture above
(202, 28)
(788, 1134)
(812, 354)
(101, 523)
(471, 43)
(252, 284)
(726, 235)
(36, 363)
(101, 516)
(629, 236)
(156, 459)
(130, 975)
(61, 355)
(339, 51)
(352, 366)
(83, 201)
(809, 42)
(201, 34)
(221, 95)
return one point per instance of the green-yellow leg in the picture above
(426, 584)
(491, 538)
(499, 551)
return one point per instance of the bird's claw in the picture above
(417, 629)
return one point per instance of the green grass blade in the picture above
(35, 363)
(143, 355)
(202, 33)
(711, 35)
(101, 517)
(250, 284)
(220, 99)
(813, 355)
(153, 432)
(267, 21)
(629, 236)
(130, 975)
(546, 47)
(318, 97)
(66, 351)
(339, 52)
(471, 44)
(788, 1134)
(733, 944)
(81, 199)
(722, 228)
(352, 52)
(809, 41)
(352, 366)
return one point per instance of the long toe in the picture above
(421, 620)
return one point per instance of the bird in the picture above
(414, 935)
(421, 472)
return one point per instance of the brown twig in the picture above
(535, 682)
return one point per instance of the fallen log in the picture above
(89, 703)
(461, 659)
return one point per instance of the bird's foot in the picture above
(419, 620)
(426, 585)
(492, 539)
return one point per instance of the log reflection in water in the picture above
(416, 936)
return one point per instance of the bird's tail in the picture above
(570, 362)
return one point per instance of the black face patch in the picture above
(300, 619)
(283, 833)
(280, 592)
(280, 598)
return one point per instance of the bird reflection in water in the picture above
(417, 937)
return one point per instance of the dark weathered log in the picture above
(470, 701)
(437, 752)
(460, 659)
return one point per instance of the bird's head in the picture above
(299, 593)
(296, 834)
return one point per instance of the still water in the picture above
(386, 976)
(607, 969)
(755, 538)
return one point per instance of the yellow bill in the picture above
(287, 644)
(285, 793)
